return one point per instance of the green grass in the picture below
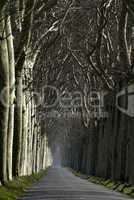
(113, 185)
(15, 188)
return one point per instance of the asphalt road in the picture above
(61, 184)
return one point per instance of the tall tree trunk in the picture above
(12, 97)
(4, 101)
(29, 137)
(23, 161)
(18, 124)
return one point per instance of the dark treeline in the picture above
(105, 149)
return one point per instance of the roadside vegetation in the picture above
(16, 188)
(117, 186)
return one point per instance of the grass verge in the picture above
(15, 188)
(123, 188)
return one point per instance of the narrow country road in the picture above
(61, 184)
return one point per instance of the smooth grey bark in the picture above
(18, 124)
(4, 103)
(23, 161)
(12, 97)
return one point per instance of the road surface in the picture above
(61, 184)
